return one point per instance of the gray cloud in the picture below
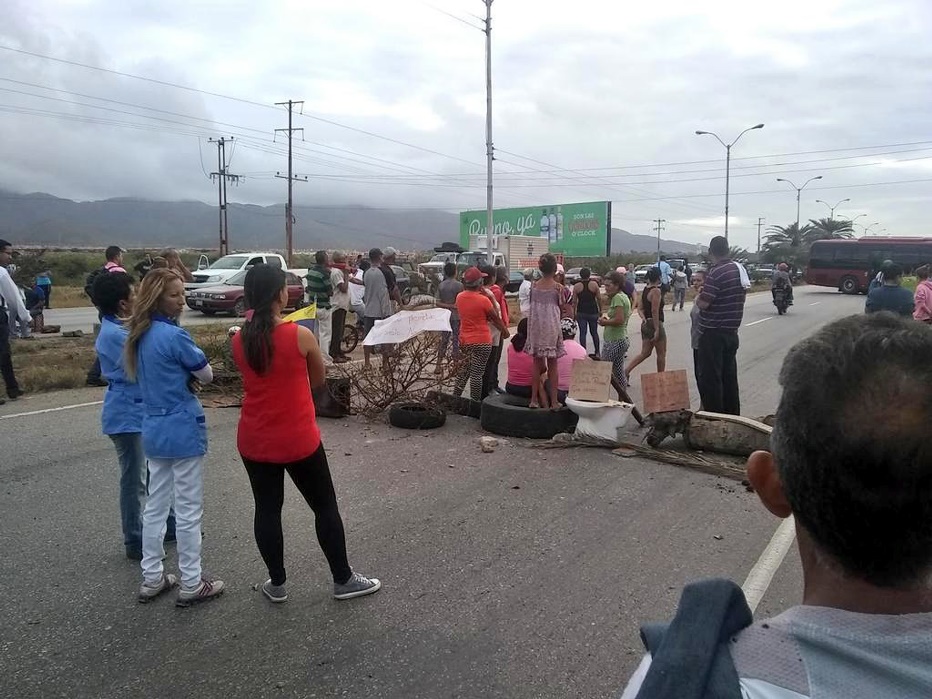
(597, 88)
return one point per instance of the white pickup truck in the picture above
(228, 265)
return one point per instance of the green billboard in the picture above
(577, 230)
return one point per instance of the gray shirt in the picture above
(449, 289)
(378, 303)
(695, 329)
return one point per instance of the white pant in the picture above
(324, 332)
(182, 478)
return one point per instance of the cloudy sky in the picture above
(593, 100)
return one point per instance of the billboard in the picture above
(576, 230)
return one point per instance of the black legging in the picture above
(312, 478)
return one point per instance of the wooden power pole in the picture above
(221, 176)
(289, 207)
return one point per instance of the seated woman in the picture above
(574, 351)
(520, 365)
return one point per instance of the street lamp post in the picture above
(868, 228)
(798, 192)
(728, 163)
(830, 207)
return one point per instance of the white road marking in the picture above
(815, 304)
(51, 410)
(762, 320)
(761, 575)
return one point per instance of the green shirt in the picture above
(319, 287)
(620, 306)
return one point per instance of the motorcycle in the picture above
(780, 299)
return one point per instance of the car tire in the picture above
(510, 416)
(239, 308)
(416, 416)
(458, 405)
(208, 313)
(406, 296)
(849, 285)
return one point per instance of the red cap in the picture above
(473, 275)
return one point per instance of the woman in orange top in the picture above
(280, 362)
(476, 312)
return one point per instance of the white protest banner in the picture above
(407, 324)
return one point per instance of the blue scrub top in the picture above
(173, 425)
(122, 412)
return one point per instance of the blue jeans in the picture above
(134, 477)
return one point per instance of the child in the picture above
(545, 338)
(164, 361)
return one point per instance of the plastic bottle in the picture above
(553, 226)
(544, 225)
(559, 223)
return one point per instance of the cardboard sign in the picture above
(665, 392)
(591, 380)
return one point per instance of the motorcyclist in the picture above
(781, 279)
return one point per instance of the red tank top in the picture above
(277, 423)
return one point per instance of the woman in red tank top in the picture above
(280, 362)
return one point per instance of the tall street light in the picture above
(798, 192)
(832, 208)
(868, 228)
(728, 163)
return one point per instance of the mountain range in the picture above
(44, 219)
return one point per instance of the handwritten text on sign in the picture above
(591, 380)
(665, 392)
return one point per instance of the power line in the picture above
(222, 176)
(289, 207)
(241, 100)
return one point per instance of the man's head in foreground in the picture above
(852, 461)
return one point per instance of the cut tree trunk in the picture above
(727, 434)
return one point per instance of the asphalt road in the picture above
(84, 318)
(521, 573)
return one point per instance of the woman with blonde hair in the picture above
(164, 361)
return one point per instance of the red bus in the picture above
(849, 265)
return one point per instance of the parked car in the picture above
(227, 266)
(515, 279)
(572, 276)
(640, 273)
(761, 273)
(403, 281)
(230, 296)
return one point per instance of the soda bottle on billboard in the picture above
(544, 225)
(553, 226)
(559, 223)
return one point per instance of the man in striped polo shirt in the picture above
(721, 308)
(319, 291)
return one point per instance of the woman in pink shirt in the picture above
(574, 351)
(520, 365)
(923, 298)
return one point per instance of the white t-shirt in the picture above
(357, 291)
(339, 299)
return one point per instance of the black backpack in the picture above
(89, 281)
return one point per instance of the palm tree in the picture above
(787, 244)
(828, 228)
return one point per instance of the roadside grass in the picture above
(57, 363)
(69, 297)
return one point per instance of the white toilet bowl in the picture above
(600, 420)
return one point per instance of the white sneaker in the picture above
(356, 586)
(207, 589)
(148, 592)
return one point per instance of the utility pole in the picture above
(289, 207)
(658, 228)
(760, 222)
(221, 176)
(489, 149)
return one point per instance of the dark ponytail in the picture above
(520, 338)
(263, 287)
